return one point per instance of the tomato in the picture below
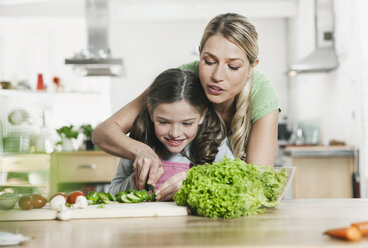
(62, 194)
(38, 200)
(73, 196)
(25, 202)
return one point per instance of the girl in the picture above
(245, 99)
(181, 127)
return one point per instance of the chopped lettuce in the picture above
(230, 189)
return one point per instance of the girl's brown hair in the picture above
(175, 85)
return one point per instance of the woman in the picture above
(244, 98)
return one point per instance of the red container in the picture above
(40, 84)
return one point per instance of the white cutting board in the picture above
(44, 213)
(112, 210)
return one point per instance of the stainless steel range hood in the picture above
(323, 58)
(97, 60)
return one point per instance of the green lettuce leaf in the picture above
(230, 189)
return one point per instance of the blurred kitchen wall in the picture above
(336, 100)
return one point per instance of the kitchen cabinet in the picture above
(71, 170)
(322, 172)
(25, 173)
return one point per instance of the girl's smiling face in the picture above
(176, 124)
(223, 69)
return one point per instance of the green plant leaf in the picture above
(87, 130)
(68, 132)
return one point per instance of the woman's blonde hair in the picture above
(237, 29)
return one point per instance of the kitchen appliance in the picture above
(283, 132)
(355, 176)
(306, 133)
(97, 60)
(323, 58)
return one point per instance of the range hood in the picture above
(97, 60)
(323, 58)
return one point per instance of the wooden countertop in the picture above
(292, 223)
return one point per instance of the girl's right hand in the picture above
(147, 168)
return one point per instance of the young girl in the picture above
(180, 125)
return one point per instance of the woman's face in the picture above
(223, 69)
(176, 124)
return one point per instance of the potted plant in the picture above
(67, 134)
(87, 130)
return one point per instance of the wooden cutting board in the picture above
(112, 210)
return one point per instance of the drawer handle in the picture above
(87, 166)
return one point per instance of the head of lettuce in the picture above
(230, 189)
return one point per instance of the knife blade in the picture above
(150, 187)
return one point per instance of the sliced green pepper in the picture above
(103, 197)
(133, 198)
(93, 197)
(124, 199)
(153, 196)
(119, 196)
(145, 196)
(111, 197)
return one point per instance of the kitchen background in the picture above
(36, 37)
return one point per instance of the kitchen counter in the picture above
(292, 223)
(319, 151)
(332, 169)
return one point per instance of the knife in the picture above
(150, 187)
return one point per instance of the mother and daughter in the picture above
(179, 120)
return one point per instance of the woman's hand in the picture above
(168, 189)
(147, 168)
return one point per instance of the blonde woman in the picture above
(242, 96)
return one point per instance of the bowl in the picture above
(8, 201)
(290, 171)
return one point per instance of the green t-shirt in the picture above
(264, 96)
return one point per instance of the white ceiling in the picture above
(152, 9)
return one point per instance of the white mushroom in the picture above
(65, 213)
(80, 202)
(57, 202)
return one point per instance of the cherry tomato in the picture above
(73, 196)
(25, 202)
(62, 194)
(38, 200)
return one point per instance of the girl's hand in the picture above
(168, 189)
(147, 168)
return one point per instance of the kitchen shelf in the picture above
(319, 151)
(24, 185)
(42, 93)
